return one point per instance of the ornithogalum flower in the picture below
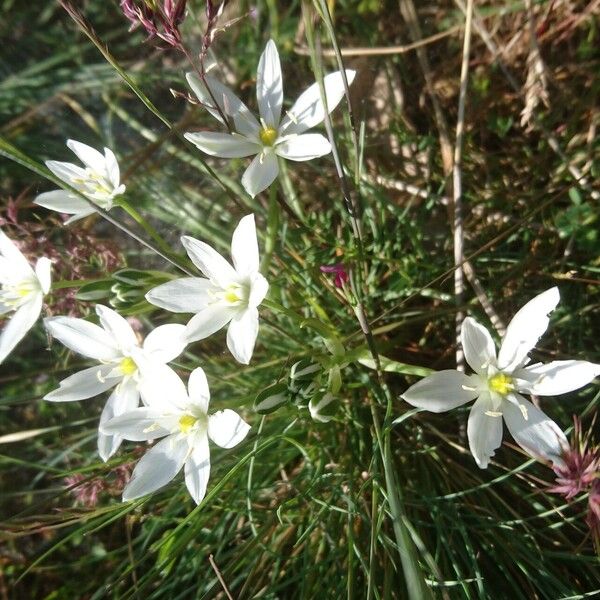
(182, 419)
(98, 180)
(272, 136)
(231, 294)
(498, 381)
(21, 293)
(120, 355)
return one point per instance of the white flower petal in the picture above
(269, 85)
(82, 337)
(210, 262)
(139, 424)
(66, 171)
(197, 470)
(117, 327)
(308, 110)
(19, 324)
(84, 384)
(157, 467)
(43, 269)
(198, 390)
(261, 173)
(242, 333)
(208, 321)
(484, 430)
(123, 399)
(89, 156)
(230, 104)
(441, 391)
(160, 386)
(537, 434)
(227, 429)
(259, 287)
(244, 247)
(478, 345)
(112, 170)
(525, 329)
(166, 342)
(303, 147)
(64, 202)
(558, 377)
(15, 261)
(223, 145)
(185, 295)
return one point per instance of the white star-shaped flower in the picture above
(231, 294)
(272, 136)
(99, 180)
(115, 346)
(499, 381)
(182, 419)
(22, 293)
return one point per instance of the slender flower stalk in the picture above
(22, 293)
(498, 382)
(115, 346)
(98, 180)
(230, 294)
(181, 418)
(273, 136)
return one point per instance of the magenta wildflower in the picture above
(158, 21)
(580, 473)
(341, 275)
(85, 491)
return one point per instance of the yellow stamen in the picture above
(268, 135)
(231, 297)
(128, 366)
(501, 384)
(186, 423)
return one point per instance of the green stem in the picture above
(69, 283)
(273, 219)
(141, 221)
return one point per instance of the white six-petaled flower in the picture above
(272, 136)
(116, 347)
(498, 382)
(182, 419)
(231, 294)
(22, 293)
(98, 180)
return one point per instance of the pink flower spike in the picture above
(341, 275)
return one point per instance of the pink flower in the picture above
(341, 276)
(162, 22)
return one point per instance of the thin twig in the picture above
(459, 286)
(382, 51)
(483, 298)
(219, 576)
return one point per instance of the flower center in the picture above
(268, 135)
(235, 294)
(14, 295)
(501, 384)
(128, 366)
(186, 422)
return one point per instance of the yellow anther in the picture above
(186, 423)
(501, 384)
(128, 366)
(268, 135)
(231, 297)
